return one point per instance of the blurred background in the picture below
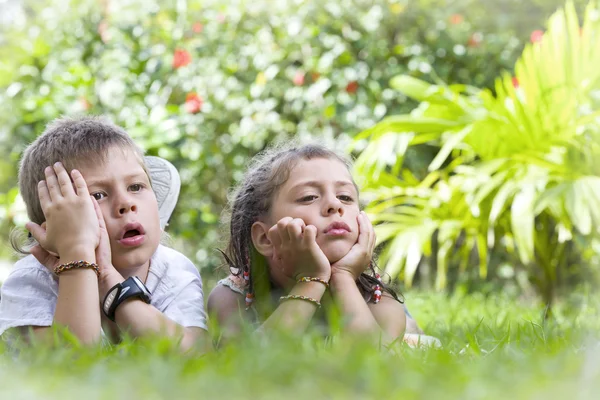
(473, 122)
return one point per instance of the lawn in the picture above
(494, 347)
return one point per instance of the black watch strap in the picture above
(130, 287)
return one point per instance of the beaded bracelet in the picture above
(77, 264)
(310, 279)
(298, 297)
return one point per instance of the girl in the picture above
(297, 232)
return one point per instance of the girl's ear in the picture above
(260, 239)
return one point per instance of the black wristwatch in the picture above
(131, 287)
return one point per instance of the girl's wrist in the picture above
(342, 277)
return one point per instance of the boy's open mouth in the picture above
(133, 234)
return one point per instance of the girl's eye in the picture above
(345, 198)
(310, 197)
(136, 187)
(98, 195)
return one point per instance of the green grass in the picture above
(493, 348)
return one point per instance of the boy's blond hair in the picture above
(74, 142)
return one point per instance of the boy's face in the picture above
(128, 204)
(322, 193)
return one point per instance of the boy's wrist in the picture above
(109, 277)
(77, 253)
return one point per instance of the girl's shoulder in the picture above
(234, 283)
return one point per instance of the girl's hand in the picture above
(71, 223)
(360, 255)
(296, 250)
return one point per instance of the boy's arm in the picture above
(71, 231)
(141, 319)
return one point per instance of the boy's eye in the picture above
(98, 195)
(136, 187)
(345, 198)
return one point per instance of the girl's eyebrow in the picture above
(319, 184)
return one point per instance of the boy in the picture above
(102, 220)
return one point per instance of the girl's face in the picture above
(322, 193)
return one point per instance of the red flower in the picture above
(193, 103)
(298, 79)
(456, 19)
(475, 39)
(352, 87)
(84, 103)
(197, 27)
(181, 58)
(536, 36)
(515, 82)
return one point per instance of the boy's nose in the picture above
(126, 208)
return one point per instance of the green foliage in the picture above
(493, 348)
(516, 170)
(208, 84)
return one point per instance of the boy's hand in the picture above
(103, 252)
(297, 251)
(360, 255)
(71, 222)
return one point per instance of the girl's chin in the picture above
(336, 253)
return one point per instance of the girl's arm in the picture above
(229, 308)
(387, 318)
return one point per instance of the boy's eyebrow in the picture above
(101, 182)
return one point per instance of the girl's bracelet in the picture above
(310, 279)
(77, 264)
(298, 297)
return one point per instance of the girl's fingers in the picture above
(295, 228)
(80, 184)
(282, 228)
(372, 236)
(64, 182)
(44, 196)
(274, 237)
(52, 184)
(310, 234)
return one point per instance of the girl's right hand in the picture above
(296, 249)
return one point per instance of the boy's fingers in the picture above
(38, 232)
(44, 257)
(98, 213)
(80, 185)
(44, 195)
(64, 182)
(52, 184)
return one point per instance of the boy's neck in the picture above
(140, 271)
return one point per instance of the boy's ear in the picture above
(261, 241)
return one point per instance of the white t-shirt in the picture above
(29, 294)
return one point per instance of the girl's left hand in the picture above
(360, 255)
